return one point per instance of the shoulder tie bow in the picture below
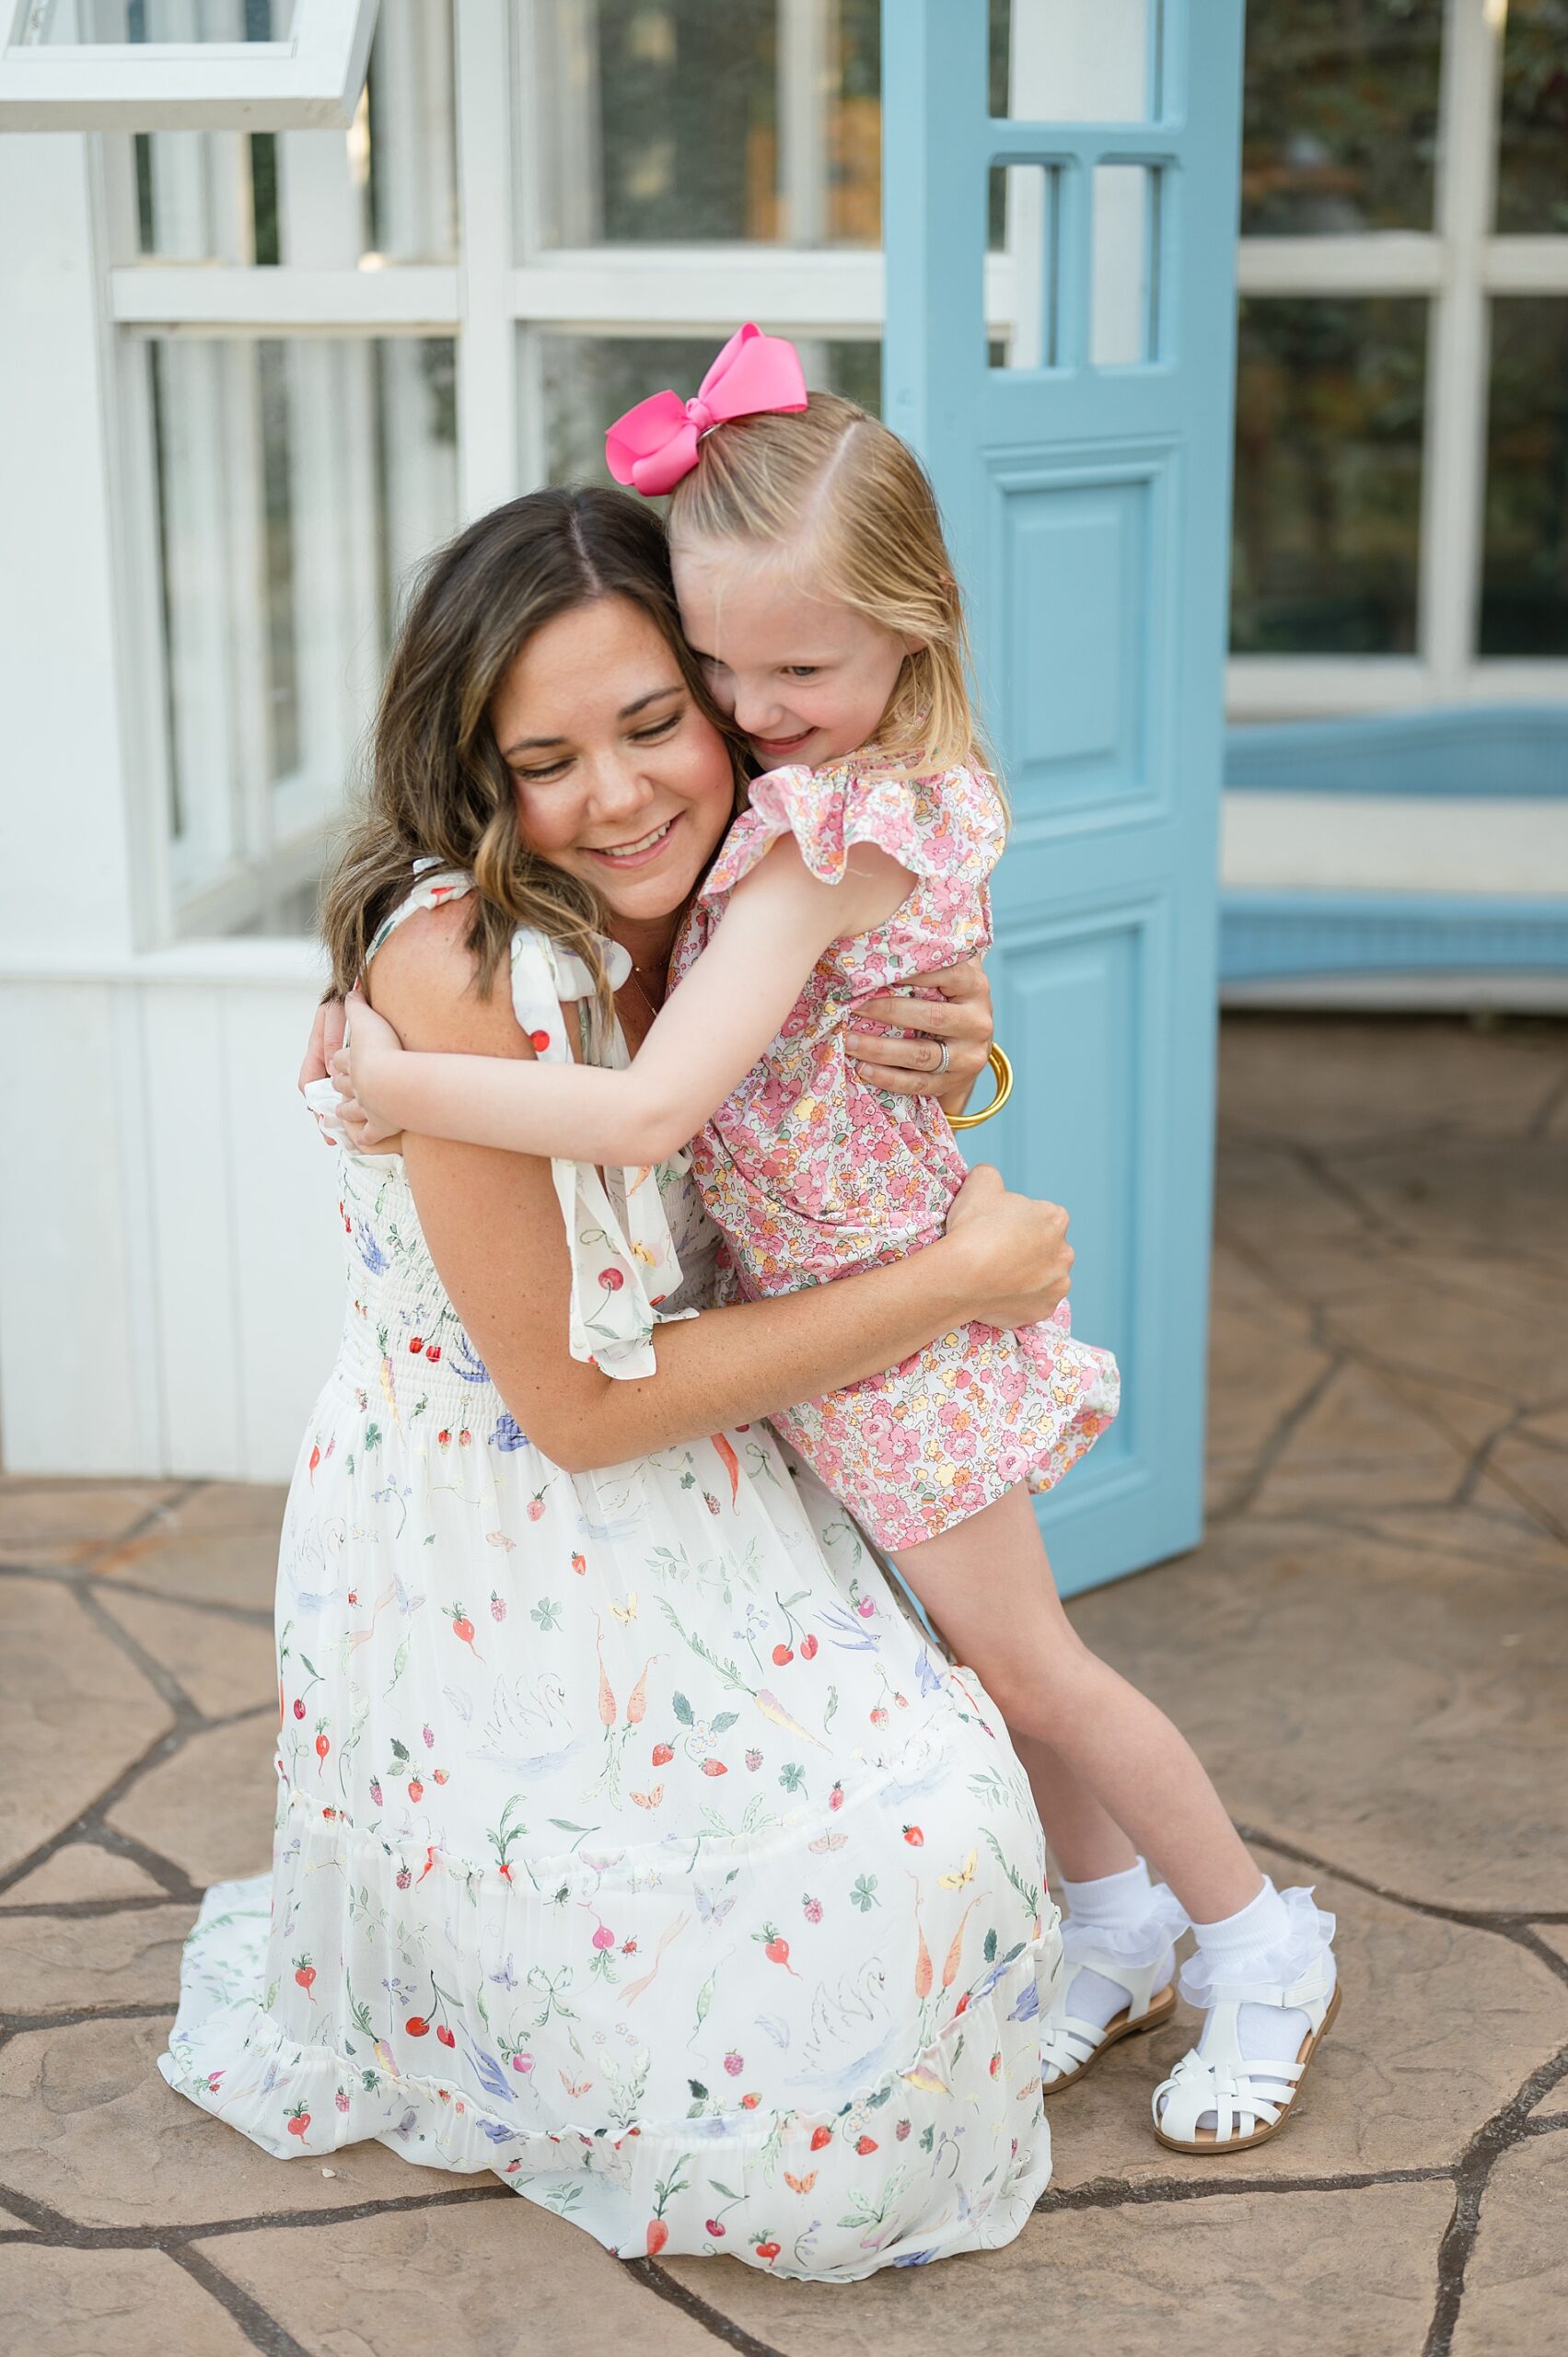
(654, 444)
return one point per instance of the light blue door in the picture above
(1086, 487)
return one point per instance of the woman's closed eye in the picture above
(655, 733)
(656, 730)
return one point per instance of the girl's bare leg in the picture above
(1086, 1841)
(1112, 1764)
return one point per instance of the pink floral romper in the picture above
(810, 1174)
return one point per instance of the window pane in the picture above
(1073, 64)
(1532, 155)
(90, 22)
(297, 481)
(1024, 204)
(1340, 116)
(1524, 604)
(322, 199)
(586, 382)
(1329, 412)
(703, 121)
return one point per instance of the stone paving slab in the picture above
(489, 2277)
(1367, 1649)
(233, 1568)
(1476, 1536)
(1461, 1190)
(81, 1870)
(230, 1509)
(1249, 2275)
(1537, 1476)
(1357, 1698)
(68, 1521)
(95, 2134)
(223, 1663)
(1503, 1331)
(109, 2304)
(1274, 1200)
(131, 1959)
(1517, 2284)
(1360, 1444)
(210, 1807)
(1401, 2081)
(77, 1715)
(1356, 1080)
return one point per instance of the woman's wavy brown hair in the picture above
(439, 787)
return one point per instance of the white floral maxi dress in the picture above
(631, 1840)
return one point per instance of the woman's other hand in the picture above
(326, 1039)
(1020, 1259)
(959, 1017)
(325, 1059)
(355, 1069)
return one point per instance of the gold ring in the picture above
(1004, 1072)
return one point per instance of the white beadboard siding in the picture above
(171, 1273)
(73, 1370)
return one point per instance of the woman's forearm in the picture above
(735, 1365)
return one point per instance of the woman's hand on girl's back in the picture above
(957, 1016)
(1020, 1259)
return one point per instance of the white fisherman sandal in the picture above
(1244, 2099)
(1133, 1961)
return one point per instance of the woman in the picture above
(631, 1840)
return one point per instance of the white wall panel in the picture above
(78, 1383)
(193, 1229)
(170, 1276)
(288, 1263)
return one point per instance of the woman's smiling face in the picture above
(620, 778)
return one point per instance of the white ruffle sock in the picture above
(1271, 1944)
(1121, 1918)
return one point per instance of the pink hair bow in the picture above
(654, 444)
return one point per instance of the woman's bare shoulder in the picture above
(425, 981)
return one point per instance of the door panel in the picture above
(1085, 484)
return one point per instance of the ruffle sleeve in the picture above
(623, 1257)
(948, 825)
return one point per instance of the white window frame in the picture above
(1458, 266)
(504, 294)
(309, 82)
(508, 290)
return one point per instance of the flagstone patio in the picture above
(1369, 1648)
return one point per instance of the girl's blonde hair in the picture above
(855, 507)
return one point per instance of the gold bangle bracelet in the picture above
(1004, 1072)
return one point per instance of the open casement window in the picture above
(183, 64)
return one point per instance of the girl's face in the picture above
(620, 777)
(805, 680)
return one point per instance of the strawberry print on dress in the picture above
(812, 1174)
(594, 1861)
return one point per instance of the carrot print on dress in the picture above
(534, 1885)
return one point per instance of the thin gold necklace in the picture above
(642, 993)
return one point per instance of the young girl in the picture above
(815, 585)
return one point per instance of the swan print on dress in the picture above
(631, 1840)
